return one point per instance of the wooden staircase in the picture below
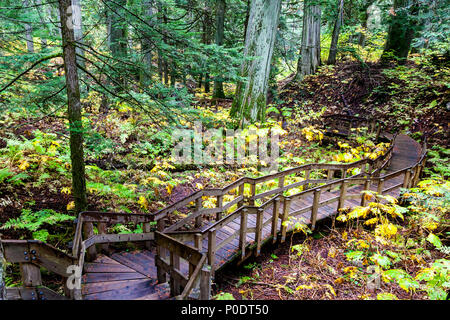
(189, 251)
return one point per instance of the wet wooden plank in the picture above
(105, 268)
(130, 261)
(97, 287)
(102, 277)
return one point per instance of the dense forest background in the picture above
(91, 91)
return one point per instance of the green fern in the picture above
(32, 221)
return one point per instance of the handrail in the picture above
(366, 179)
(221, 192)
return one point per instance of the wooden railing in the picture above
(31, 255)
(241, 214)
(170, 255)
(171, 241)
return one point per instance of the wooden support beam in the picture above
(259, 229)
(199, 218)
(315, 208)
(343, 194)
(367, 188)
(212, 249)
(88, 231)
(286, 208)
(307, 174)
(102, 229)
(281, 184)
(275, 215)
(31, 274)
(219, 214)
(380, 186)
(146, 228)
(243, 232)
(407, 179)
(251, 201)
(241, 193)
(205, 284)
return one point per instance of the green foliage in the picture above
(223, 296)
(33, 221)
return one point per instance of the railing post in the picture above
(380, 186)
(146, 229)
(243, 232)
(275, 215)
(367, 188)
(212, 249)
(102, 230)
(342, 194)
(31, 275)
(161, 254)
(315, 208)
(281, 185)
(198, 207)
(88, 231)
(286, 208)
(307, 174)
(330, 174)
(175, 285)
(251, 201)
(198, 239)
(219, 206)
(205, 284)
(258, 231)
(198, 244)
(406, 179)
(241, 194)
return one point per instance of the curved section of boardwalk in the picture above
(133, 275)
(406, 153)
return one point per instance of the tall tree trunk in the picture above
(41, 12)
(146, 43)
(78, 31)
(401, 31)
(207, 39)
(337, 28)
(28, 31)
(220, 24)
(310, 48)
(74, 110)
(250, 100)
(118, 37)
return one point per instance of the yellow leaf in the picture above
(143, 202)
(70, 205)
(24, 164)
(66, 190)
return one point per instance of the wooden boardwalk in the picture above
(133, 275)
(406, 153)
(178, 261)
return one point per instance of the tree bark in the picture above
(310, 48)
(28, 32)
(401, 31)
(74, 110)
(336, 30)
(78, 31)
(146, 43)
(250, 99)
(220, 24)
